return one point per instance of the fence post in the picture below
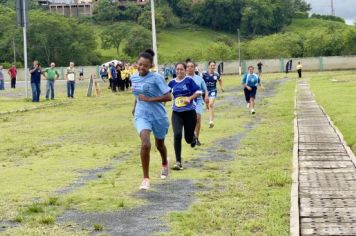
(282, 65)
(321, 59)
(244, 67)
(62, 73)
(97, 71)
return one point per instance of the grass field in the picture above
(49, 149)
(335, 91)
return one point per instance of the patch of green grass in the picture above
(251, 196)
(98, 227)
(59, 144)
(336, 93)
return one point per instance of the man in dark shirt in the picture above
(36, 73)
(259, 66)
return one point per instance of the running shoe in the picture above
(145, 185)
(194, 142)
(253, 111)
(198, 142)
(211, 124)
(164, 171)
(178, 166)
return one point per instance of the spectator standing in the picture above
(81, 73)
(36, 73)
(259, 67)
(2, 79)
(299, 69)
(70, 77)
(221, 68)
(13, 74)
(113, 74)
(52, 76)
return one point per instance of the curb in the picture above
(294, 210)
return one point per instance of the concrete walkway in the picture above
(326, 180)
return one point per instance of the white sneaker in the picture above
(253, 111)
(211, 124)
(145, 185)
(164, 171)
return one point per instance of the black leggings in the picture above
(188, 120)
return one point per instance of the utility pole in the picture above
(14, 47)
(154, 37)
(332, 8)
(22, 20)
(239, 50)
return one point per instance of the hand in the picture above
(263, 88)
(187, 100)
(143, 98)
(249, 88)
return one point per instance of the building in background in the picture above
(80, 8)
(69, 8)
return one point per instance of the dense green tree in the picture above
(106, 10)
(301, 6)
(50, 38)
(113, 35)
(137, 40)
(218, 51)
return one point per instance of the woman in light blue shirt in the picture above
(150, 92)
(199, 100)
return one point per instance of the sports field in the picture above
(71, 167)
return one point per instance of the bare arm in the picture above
(44, 75)
(33, 70)
(134, 107)
(164, 98)
(194, 96)
(221, 85)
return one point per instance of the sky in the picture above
(343, 8)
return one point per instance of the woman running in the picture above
(199, 103)
(250, 82)
(150, 115)
(184, 92)
(211, 77)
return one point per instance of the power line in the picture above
(332, 8)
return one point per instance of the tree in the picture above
(219, 51)
(137, 41)
(113, 35)
(105, 11)
(145, 20)
(301, 6)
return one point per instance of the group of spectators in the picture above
(51, 75)
(118, 74)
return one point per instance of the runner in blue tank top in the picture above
(211, 78)
(150, 115)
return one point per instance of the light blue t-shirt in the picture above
(150, 85)
(252, 80)
(202, 86)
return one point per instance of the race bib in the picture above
(180, 102)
